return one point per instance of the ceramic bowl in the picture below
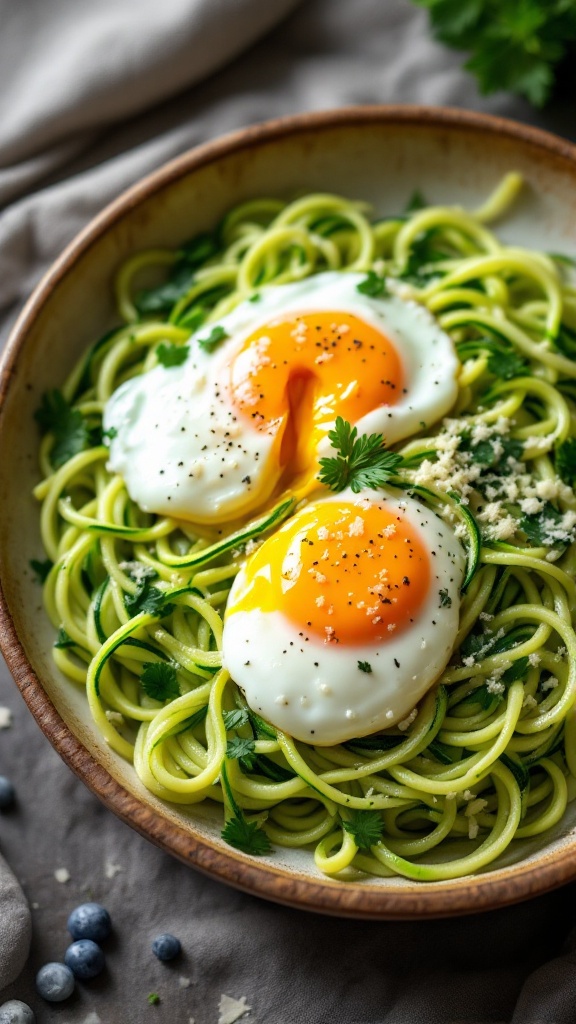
(377, 154)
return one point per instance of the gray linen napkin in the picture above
(92, 96)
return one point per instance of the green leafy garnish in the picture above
(241, 750)
(515, 45)
(365, 827)
(445, 599)
(506, 364)
(216, 335)
(234, 719)
(361, 461)
(540, 526)
(63, 640)
(494, 452)
(147, 598)
(71, 431)
(372, 285)
(41, 569)
(153, 999)
(517, 670)
(159, 300)
(159, 681)
(416, 202)
(566, 461)
(110, 434)
(172, 355)
(246, 835)
(365, 666)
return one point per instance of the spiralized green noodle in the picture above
(490, 756)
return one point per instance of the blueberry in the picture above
(90, 921)
(55, 982)
(15, 1012)
(7, 794)
(166, 946)
(84, 958)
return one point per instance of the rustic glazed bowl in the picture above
(377, 154)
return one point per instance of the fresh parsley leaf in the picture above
(365, 827)
(41, 569)
(234, 719)
(153, 999)
(539, 527)
(172, 355)
(216, 335)
(161, 299)
(445, 599)
(159, 681)
(566, 461)
(515, 44)
(244, 835)
(239, 748)
(147, 598)
(110, 434)
(372, 285)
(506, 364)
(365, 666)
(361, 461)
(494, 452)
(71, 431)
(419, 267)
(63, 640)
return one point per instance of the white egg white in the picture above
(314, 690)
(183, 449)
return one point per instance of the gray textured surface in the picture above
(65, 150)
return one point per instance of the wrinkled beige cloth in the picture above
(92, 96)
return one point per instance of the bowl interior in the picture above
(373, 155)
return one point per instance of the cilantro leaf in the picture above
(244, 835)
(69, 427)
(566, 461)
(159, 681)
(159, 300)
(372, 285)
(147, 598)
(216, 335)
(172, 355)
(361, 461)
(234, 719)
(63, 640)
(41, 569)
(365, 666)
(365, 827)
(506, 364)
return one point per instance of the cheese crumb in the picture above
(184, 982)
(534, 659)
(110, 869)
(230, 1010)
(356, 529)
(549, 684)
(5, 718)
(62, 875)
(407, 722)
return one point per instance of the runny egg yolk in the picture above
(294, 375)
(342, 572)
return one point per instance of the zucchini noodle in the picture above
(490, 755)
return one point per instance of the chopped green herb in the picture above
(110, 434)
(361, 461)
(445, 599)
(41, 569)
(373, 285)
(540, 527)
(147, 599)
(234, 719)
(506, 364)
(63, 640)
(365, 666)
(566, 461)
(517, 670)
(255, 297)
(365, 827)
(71, 431)
(239, 748)
(172, 355)
(159, 681)
(494, 452)
(153, 999)
(216, 335)
(416, 202)
(244, 835)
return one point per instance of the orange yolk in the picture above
(294, 375)
(342, 573)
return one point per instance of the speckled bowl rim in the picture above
(344, 899)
